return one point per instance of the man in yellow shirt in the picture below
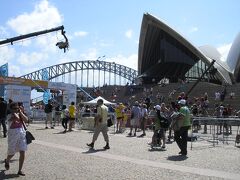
(119, 114)
(101, 124)
(72, 114)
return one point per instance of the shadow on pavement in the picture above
(177, 158)
(41, 129)
(93, 151)
(130, 136)
(60, 132)
(156, 149)
(90, 132)
(7, 176)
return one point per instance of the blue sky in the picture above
(96, 28)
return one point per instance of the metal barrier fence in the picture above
(86, 120)
(38, 114)
(217, 126)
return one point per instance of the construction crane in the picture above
(62, 44)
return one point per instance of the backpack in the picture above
(164, 122)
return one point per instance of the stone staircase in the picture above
(124, 94)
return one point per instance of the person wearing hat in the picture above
(181, 135)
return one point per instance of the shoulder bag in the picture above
(29, 136)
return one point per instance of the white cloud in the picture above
(44, 16)
(26, 43)
(3, 33)
(6, 54)
(193, 29)
(129, 61)
(90, 55)
(104, 44)
(223, 50)
(129, 34)
(29, 59)
(80, 34)
(14, 70)
(47, 43)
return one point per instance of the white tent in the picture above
(94, 101)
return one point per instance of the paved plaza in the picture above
(54, 155)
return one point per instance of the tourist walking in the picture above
(57, 115)
(163, 115)
(48, 110)
(181, 135)
(100, 124)
(144, 119)
(72, 115)
(65, 117)
(16, 136)
(135, 118)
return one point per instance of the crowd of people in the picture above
(169, 121)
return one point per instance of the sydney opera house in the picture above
(164, 53)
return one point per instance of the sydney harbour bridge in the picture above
(86, 73)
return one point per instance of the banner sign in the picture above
(45, 75)
(4, 70)
(70, 94)
(3, 73)
(19, 94)
(46, 96)
(23, 82)
(58, 86)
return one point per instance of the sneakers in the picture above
(91, 145)
(142, 135)
(52, 127)
(46, 127)
(106, 147)
(130, 134)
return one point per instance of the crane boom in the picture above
(11, 40)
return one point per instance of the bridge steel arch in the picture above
(68, 67)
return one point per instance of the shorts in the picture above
(134, 122)
(72, 119)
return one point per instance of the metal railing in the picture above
(218, 126)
